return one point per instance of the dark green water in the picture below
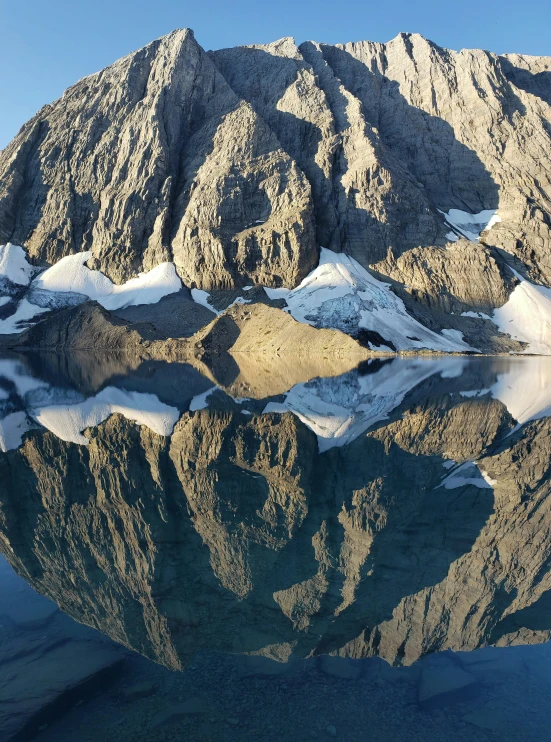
(222, 557)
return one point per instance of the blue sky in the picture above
(48, 45)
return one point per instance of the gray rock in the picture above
(444, 683)
(138, 690)
(156, 158)
(190, 707)
(341, 667)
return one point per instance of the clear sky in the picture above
(49, 44)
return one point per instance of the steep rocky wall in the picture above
(239, 163)
(155, 151)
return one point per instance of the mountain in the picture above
(429, 168)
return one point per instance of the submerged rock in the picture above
(444, 683)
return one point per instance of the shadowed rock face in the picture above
(237, 164)
(236, 533)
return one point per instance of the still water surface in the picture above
(230, 554)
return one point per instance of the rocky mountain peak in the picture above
(237, 165)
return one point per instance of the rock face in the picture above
(237, 164)
(156, 158)
(257, 329)
(465, 277)
(265, 330)
(86, 327)
(236, 533)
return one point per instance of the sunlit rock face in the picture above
(156, 158)
(238, 164)
(243, 530)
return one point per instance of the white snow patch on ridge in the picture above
(12, 429)
(201, 401)
(202, 297)
(468, 225)
(21, 318)
(465, 474)
(476, 315)
(71, 275)
(14, 265)
(341, 294)
(17, 374)
(48, 406)
(527, 316)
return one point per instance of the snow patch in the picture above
(12, 429)
(14, 265)
(341, 294)
(476, 393)
(16, 373)
(487, 478)
(476, 315)
(466, 474)
(468, 225)
(200, 401)
(455, 336)
(277, 293)
(202, 297)
(70, 282)
(70, 275)
(21, 318)
(527, 316)
(525, 389)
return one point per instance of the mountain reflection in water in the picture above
(399, 511)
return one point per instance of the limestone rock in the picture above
(265, 330)
(464, 129)
(237, 164)
(462, 278)
(156, 158)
